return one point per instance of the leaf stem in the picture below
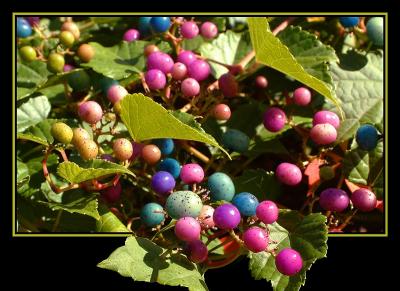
(57, 222)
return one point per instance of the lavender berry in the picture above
(161, 61)
(179, 71)
(208, 30)
(206, 217)
(162, 182)
(226, 216)
(288, 174)
(116, 93)
(333, 199)
(289, 262)
(274, 119)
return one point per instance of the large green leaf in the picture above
(347, 129)
(94, 169)
(146, 119)
(271, 52)
(22, 173)
(32, 112)
(247, 117)
(29, 77)
(308, 235)
(140, 259)
(108, 222)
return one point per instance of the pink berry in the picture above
(187, 229)
(267, 212)
(155, 79)
(261, 82)
(334, 199)
(190, 87)
(326, 116)
(255, 239)
(323, 134)
(161, 61)
(68, 68)
(228, 85)
(179, 71)
(206, 217)
(122, 149)
(209, 30)
(198, 251)
(112, 193)
(115, 93)
(302, 96)
(199, 70)
(131, 35)
(192, 173)
(288, 174)
(289, 262)
(222, 112)
(274, 119)
(189, 29)
(90, 111)
(364, 200)
(186, 57)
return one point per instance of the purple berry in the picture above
(209, 30)
(199, 70)
(226, 216)
(206, 217)
(274, 119)
(179, 71)
(333, 199)
(112, 193)
(108, 158)
(288, 174)
(187, 229)
(190, 87)
(198, 251)
(137, 150)
(222, 112)
(363, 199)
(228, 85)
(68, 68)
(161, 61)
(162, 182)
(302, 96)
(33, 20)
(115, 93)
(192, 173)
(90, 111)
(323, 134)
(155, 79)
(289, 262)
(325, 116)
(255, 239)
(131, 35)
(261, 82)
(267, 212)
(189, 29)
(186, 57)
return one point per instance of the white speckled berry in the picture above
(183, 203)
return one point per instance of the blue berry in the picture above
(152, 214)
(162, 182)
(235, 140)
(246, 203)
(367, 137)
(166, 145)
(170, 165)
(348, 21)
(24, 29)
(221, 187)
(160, 24)
(144, 25)
(375, 30)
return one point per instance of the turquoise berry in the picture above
(375, 30)
(170, 165)
(235, 140)
(152, 214)
(166, 145)
(246, 203)
(221, 187)
(160, 24)
(183, 203)
(144, 25)
(104, 83)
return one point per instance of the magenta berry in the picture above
(122, 149)
(161, 61)
(289, 262)
(274, 119)
(302, 96)
(112, 193)
(261, 82)
(326, 116)
(115, 93)
(208, 30)
(226, 216)
(189, 29)
(90, 111)
(192, 173)
(364, 200)
(222, 112)
(190, 87)
(228, 85)
(206, 217)
(186, 57)
(267, 212)
(333, 199)
(179, 71)
(323, 134)
(288, 174)
(198, 251)
(199, 70)
(187, 229)
(68, 68)
(255, 239)
(155, 79)
(131, 35)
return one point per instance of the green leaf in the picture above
(228, 48)
(259, 147)
(140, 259)
(247, 117)
(308, 235)
(146, 119)
(192, 44)
(22, 174)
(271, 52)
(31, 137)
(108, 222)
(94, 169)
(29, 77)
(347, 129)
(32, 112)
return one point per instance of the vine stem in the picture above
(57, 222)
(346, 222)
(193, 151)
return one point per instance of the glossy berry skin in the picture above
(189, 29)
(186, 57)
(274, 119)
(228, 85)
(348, 21)
(160, 61)
(246, 203)
(151, 154)
(155, 79)
(333, 199)
(160, 24)
(79, 136)
(302, 96)
(226, 216)
(206, 217)
(104, 83)
(221, 187)
(261, 82)
(179, 71)
(149, 49)
(222, 112)
(67, 38)
(122, 149)
(85, 52)
(171, 166)
(90, 111)
(255, 239)
(208, 30)
(28, 53)
(24, 29)
(79, 81)
(289, 262)
(187, 229)
(166, 145)
(190, 87)
(192, 173)
(367, 137)
(112, 193)
(235, 140)
(116, 93)
(199, 70)
(364, 200)
(325, 116)
(71, 27)
(152, 214)
(162, 182)
(267, 211)
(88, 149)
(323, 134)
(375, 30)
(131, 35)
(183, 203)
(198, 251)
(144, 25)
(62, 132)
(288, 174)
(55, 63)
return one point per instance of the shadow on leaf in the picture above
(352, 61)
